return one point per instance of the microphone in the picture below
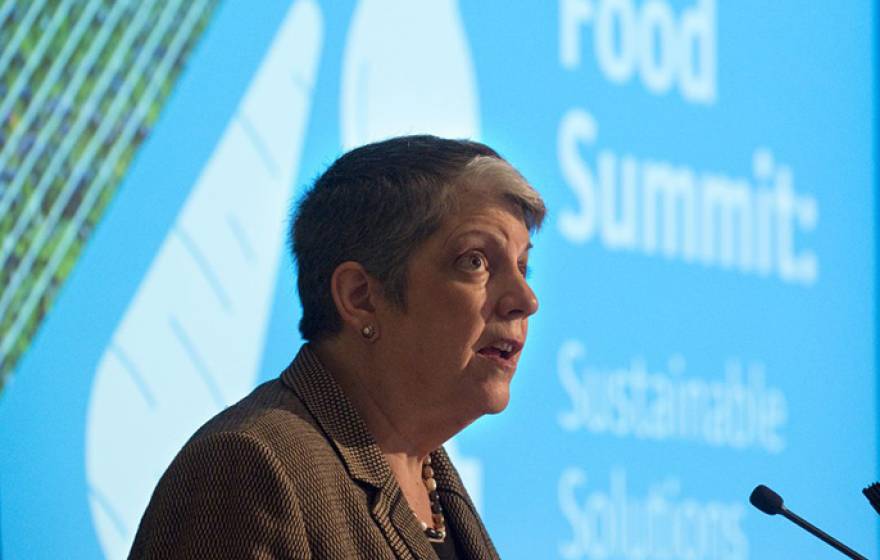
(770, 503)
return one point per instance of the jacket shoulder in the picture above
(225, 495)
(271, 414)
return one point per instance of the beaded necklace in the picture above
(437, 533)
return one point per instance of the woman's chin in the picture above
(490, 383)
(496, 398)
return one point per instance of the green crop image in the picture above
(81, 85)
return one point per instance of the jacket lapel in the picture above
(333, 412)
(359, 452)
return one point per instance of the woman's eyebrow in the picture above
(496, 238)
(457, 237)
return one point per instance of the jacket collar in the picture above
(336, 415)
(360, 453)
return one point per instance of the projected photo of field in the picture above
(81, 85)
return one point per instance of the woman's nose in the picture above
(518, 300)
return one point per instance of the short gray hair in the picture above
(377, 203)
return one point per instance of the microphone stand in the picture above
(806, 525)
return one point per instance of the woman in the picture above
(411, 256)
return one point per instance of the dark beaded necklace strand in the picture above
(437, 533)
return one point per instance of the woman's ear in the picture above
(354, 292)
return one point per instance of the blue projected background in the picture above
(706, 274)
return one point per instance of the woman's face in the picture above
(457, 344)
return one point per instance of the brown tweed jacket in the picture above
(290, 471)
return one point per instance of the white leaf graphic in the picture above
(191, 339)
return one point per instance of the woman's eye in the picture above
(472, 261)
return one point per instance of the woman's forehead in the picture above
(470, 200)
(486, 216)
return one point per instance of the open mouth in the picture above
(502, 350)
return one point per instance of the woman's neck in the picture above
(396, 424)
(396, 431)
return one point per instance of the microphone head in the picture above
(766, 500)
